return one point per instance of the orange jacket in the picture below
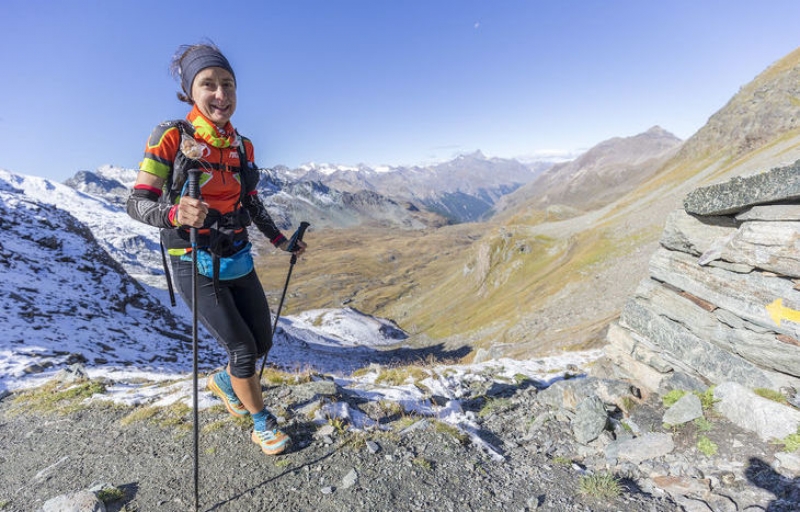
(219, 159)
(216, 152)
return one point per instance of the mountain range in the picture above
(561, 246)
(602, 174)
(461, 190)
(555, 265)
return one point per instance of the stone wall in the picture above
(722, 302)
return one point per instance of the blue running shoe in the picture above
(272, 442)
(232, 403)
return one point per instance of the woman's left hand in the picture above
(300, 247)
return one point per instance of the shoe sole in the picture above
(275, 451)
(216, 391)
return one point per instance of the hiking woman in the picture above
(231, 303)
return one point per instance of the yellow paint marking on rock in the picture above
(777, 311)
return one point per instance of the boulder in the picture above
(638, 449)
(768, 419)
(739, 193)
(590, 419)
(78, 501)
(686, 409)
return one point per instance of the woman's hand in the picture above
(300, 247)
(191, 212)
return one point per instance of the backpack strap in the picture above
(243, 166)
(167, 273)
(186, 128)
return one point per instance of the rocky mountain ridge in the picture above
(328, 208)
(763, 113)
(54, 273)
(599, 176)
(463, 189)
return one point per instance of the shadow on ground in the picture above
(331, 357)
(786, 490)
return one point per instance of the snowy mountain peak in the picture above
(328, 169)
(475, 155)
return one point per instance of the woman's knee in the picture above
(243, 366)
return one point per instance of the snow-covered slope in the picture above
(65, 300)
(66, 296)
(133, 244)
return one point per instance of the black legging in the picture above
(240, 321)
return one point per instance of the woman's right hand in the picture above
(192, 212)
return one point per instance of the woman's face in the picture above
(214, 93)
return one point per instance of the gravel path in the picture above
(417, 467)
(518, 453)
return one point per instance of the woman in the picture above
(231, 303)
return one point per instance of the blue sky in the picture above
(380, 81)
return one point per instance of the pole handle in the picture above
(298, 235)
(194, 192)
(194, 183)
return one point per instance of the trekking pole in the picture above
(297, 236)
(194, 192)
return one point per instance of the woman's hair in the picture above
(189, 59)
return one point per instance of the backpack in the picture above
(215, 260)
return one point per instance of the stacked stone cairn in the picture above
(721, 306)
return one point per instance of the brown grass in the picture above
(478, 283)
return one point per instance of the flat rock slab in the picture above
(740, 193)
(649, 446)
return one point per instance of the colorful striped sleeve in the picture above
(162, 146)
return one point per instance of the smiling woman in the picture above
(205, 231)
(207, 80)
(214, 93)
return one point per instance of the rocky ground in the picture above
(140, 458)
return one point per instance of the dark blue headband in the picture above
(198, 60)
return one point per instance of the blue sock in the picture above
(263, 420)
(224, 382)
